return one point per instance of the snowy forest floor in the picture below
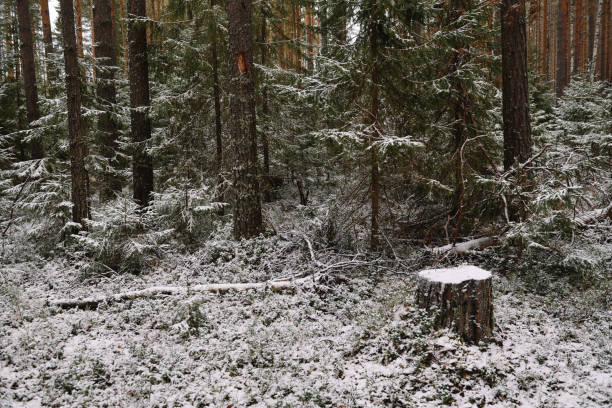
(352, 342)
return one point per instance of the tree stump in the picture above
(461, 299)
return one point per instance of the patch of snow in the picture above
(455, 275)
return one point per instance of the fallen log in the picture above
(595, 216)
(464, 248)
(459, 298)
(91, 303)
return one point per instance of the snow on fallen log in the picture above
(595, 216)
(464, 248)
(93, 301)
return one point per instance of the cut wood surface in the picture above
(460, 298)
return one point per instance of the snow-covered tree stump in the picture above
(462, 299)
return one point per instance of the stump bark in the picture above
(461, 298)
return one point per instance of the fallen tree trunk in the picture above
(90, 303)
(465, 248)
(595, 216)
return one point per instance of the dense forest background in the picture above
(226, 203)
(379, 123)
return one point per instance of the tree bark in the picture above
(216, 94)
(460, 103)
(29, 72)
(604, 41)
(267, 185)
(47, 36)
(91, 303)
(563, 48)
(375, 123)
(78, 10)
(217, 98)
(142, 163)
(545, 43)
(8, 43)
(515, 100)
(592, 10)
(246, 200)
(579, 32)
(461, 298)
(92, 34)
(124, 35)
(76, 131)
(106, 61)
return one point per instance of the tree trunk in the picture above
(563, 48)
(217, 98)
(461, 298)
(554, 18)
(461, 109)
(29, 72)
(267, 194)
(92, 34)
(246, 201)
(106, 62)
(579, 32)
(47, 36)
(601, 33)
(76, 131)
(142, 163)
(604, 41)
(545, 44)
(124, 35)
(592, 10)
(515, 101)
(374, 100)
(309, 26)
(8, 39)
(78, 10)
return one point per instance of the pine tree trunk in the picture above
(309, 25)
(216, 95)
(600, 41)
(460, 109)
(29, 72)
(76, 131)
(545, 45)
(106, 61)
(8, 40)
(265, 113)
(515, 101)
(609, 44)
(592, 10)
(78, 10)
(375, 102)
(124, 36)
(579, 31)
(604, 39)
(217, 98)
(47, 36)
(142, 163)
(563, 48)
(92, 34)
(246, 200)
(554, 18)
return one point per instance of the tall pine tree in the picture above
(246, 201)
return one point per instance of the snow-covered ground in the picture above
(355, 343)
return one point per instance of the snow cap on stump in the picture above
(461, 298)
